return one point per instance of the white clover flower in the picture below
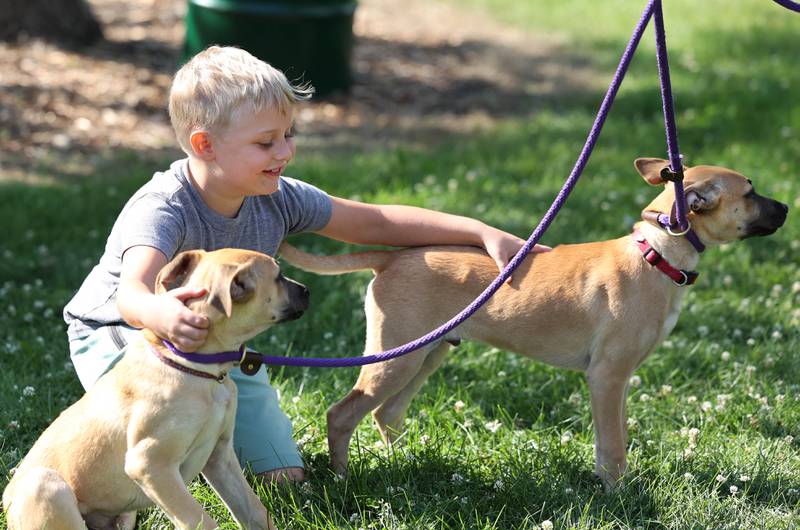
(28, 391)
(691, 399)
(456, 478)
(734, 490)
(48, 313)
(498, 484)
(737, 333)
(644, 398)
(38, 304)
(702, 330)
(635, 381)
(459, 406)
(501, 373)
(424, 439)
(28, 317)
(789, 439)
(720, 478)
(493, 426)
(750, 369)
(688, 453)
(751, 341)
(666, 389)
(688, 476)
(566, 438)
(776, 335)
(296, 399)
(727, 281)
(547, 524)
(575, 398)
(632, 423)
(726, 356)
(467, 424)
(13, 425)
(354, 517)
(706, 406)
(744, 478)
(328, 335)
(569, 491)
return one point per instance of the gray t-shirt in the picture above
(168, 213)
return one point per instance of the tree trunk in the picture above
(68, 22)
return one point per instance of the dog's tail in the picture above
(377, 260)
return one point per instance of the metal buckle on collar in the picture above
(683, 233)
(684, 279)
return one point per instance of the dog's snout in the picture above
(298, 300)
(773, 215)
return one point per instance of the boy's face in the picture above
(254, 151)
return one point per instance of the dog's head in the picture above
(723, 205)
(246, 292)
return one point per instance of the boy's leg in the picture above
(96, 354)
(262, 437)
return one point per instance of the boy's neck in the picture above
(201, 178)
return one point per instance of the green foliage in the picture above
(495, 441)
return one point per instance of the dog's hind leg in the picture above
(43, 499)
(376, 383)
(390, 414)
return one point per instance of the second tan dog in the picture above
(595, 307)
(148, 427)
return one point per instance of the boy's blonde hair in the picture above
(218, 84)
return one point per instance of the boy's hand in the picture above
(502, 247)
(172, 319)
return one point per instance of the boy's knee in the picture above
(284, 474)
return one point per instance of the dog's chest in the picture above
(219, 417)
(673, 312)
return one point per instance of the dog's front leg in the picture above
(223, 473)
(160, 479)
(607, 384)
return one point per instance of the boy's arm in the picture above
(165, 314)
(408, 226)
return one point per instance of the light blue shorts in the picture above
(262, 436)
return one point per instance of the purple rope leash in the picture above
(788, 4)
(675, 163)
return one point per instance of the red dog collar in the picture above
(651, 256)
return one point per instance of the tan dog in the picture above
(596, 307)
(146, 429)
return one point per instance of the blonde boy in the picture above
(232, 115)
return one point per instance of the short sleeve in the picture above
(152, 221)
(305, 207)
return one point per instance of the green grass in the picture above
(520, 450)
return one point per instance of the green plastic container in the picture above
(310, 41)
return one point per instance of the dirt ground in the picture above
(423, 71)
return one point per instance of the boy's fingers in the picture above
(187, 293)
(541, 248)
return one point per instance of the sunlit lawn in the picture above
(493, 440)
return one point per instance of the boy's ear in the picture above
(202, 145)
(175, 273)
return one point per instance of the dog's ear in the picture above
(234, 285)
(702, 196)
(175, 272)
(650, 169)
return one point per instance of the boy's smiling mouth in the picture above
(274, 172)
